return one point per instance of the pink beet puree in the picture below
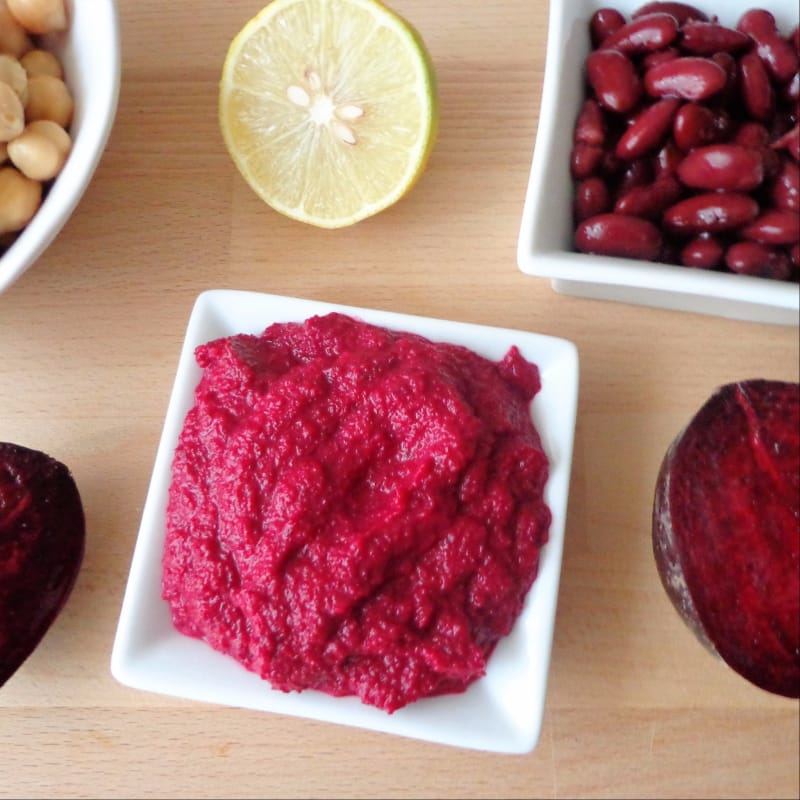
(355, 510)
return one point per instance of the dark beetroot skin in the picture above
(42, 536)
(726, 529)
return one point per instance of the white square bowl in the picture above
(502, 711)
(545, 248)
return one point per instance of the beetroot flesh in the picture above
(42, 536)
(726, 529)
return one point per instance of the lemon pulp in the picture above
(328, 108)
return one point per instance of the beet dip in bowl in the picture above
(665, 168)
(356, 516)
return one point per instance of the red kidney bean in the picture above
(778, 54)
(794, 255)
(752, 258)
(690, 127)
(613, 78)
(785, 189)
(585, 160)
(694, 126)
(648, 129)
(791, 91)
(590, 127)
(752, 134)
(689, 77)
(728, 167)
(702, 252)
(712, 212)
(644, 34)
(636, 173)
(603, 23)
(667, 160)
(707, 38)
(790, 141)
(731, 67)
(755, 135)
(619, 235)
(728, 62)
(681, 11)
(591, 198)
(659, 57)
(649, 200)
(774, 226)
(757, 22)
(757, 92)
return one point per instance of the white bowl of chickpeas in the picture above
(59, 84)
(665, 170)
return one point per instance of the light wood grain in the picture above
(89, 341)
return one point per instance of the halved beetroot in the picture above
(726, 529)
(42, 534)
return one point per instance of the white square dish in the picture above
(501, 712)
(545, 249)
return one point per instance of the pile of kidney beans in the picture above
(687, 146)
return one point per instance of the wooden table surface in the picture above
(89, 342)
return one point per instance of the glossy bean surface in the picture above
(692, 78)
(774, 226)
(757, 92)
(707, 38)
(603, 23)
(683, 12)
(590, 127)
(613, 77)
(648, 129)
(619, 235)
(591, 198)
(644, 34)
(694, 126)
(586, 160)
(690, 126)
(711, 212)
(785, 187)
(649, 200)
(702, 252)
(725, 167)
(752, 258)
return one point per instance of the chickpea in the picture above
(13, 73)
(39, 16)
(41, 62)
(14, 38)
(12, 114)
(32, 91)
(49, 98)
(53, 131)
(19, 199)
(40, 151)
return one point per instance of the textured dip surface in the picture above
(355, 510)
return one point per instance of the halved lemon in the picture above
(328, 108)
